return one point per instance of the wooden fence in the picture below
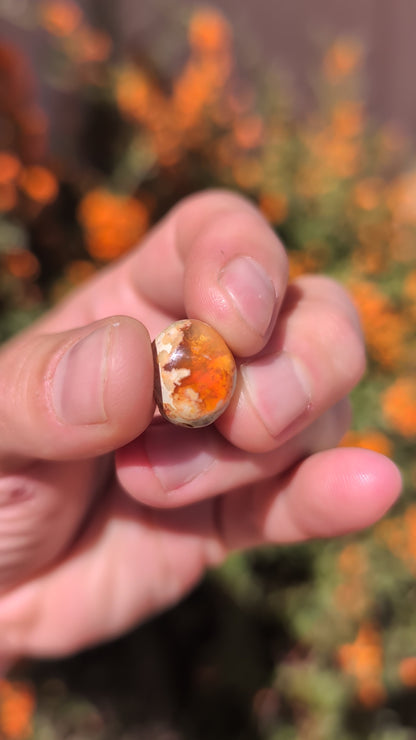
(290, 32)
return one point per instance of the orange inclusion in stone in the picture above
(196, 373)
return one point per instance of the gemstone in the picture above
(195, 373)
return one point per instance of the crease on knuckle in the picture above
(340, 342)
(21, 537)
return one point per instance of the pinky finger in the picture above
(331, 493)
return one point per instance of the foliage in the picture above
(317, 641)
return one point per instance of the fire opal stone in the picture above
(195, 373)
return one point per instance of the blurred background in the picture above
(109, 114)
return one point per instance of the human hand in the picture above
(108, 515)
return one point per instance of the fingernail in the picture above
(251, 291)
(279, 388)
(178, 456)
(79, 380)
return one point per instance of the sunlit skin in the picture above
(107, 514)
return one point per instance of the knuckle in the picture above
(334, 340)
(329, 428)
(35, 523)
(345, 344)
(18, 527)
(327, 291)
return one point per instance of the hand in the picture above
(108, 515)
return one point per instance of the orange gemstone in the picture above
(195, 373)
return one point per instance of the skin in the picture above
(107, 514)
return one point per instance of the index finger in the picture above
(216, 259)
(213, 258)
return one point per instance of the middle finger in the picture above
(313, 359)
(170, 467)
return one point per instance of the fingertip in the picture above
(373, 482)
(351, 489)
(332, 493)
(79, 393)
(235, 278)
(103, 379)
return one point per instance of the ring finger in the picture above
(313, 359)
(170, 467)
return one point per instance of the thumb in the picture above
(80, 393)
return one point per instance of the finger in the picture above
(313, 359)
(76, 394)
(169, 467)
(62, 494)
(213, 257)
(235, 276)
(328, 494)
(42, 509)
(124, 568)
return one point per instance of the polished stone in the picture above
(195, 373)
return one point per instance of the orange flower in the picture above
(9, 168)
(352, 559)
(60, 17)
(342, 156)
(274, 206)
(248, 132)
(17, 705)
(342, 59)
(402, 244)
(367, 193)
(392, 533)
(113, 224)
(199, 86)
(192, 92)
(39, 183)
(399, 406)
(373, 253)
(399, 534)
(369, 261)
(371, 693)
(301, 263)
(409, 286)
(136, 95)
(363, 659)
(247, 172)
(401, 198)
(8, 197)
(209, 31)
(407, 672)
(22, 264)
(392, 140)
(312, 181)
(373, 235)
(92, 45)
(383, 326)
(348, 118)
(331, 154)
(370, 439)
